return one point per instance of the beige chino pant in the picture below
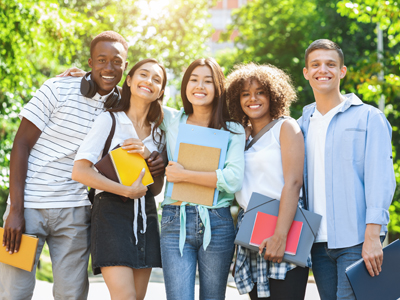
(67, 232)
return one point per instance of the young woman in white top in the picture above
(125, 235)
(257, 95)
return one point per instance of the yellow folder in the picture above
(128, 167)
(25, 257)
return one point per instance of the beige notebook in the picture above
(196, 158)
(25, 257)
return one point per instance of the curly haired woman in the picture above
(258, 95)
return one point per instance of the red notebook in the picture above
(264, 227)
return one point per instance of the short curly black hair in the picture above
(109, 36)
(275, 82)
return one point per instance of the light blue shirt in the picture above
(229, 179)
(359, 174)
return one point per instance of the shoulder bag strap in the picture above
(263, 131)
(110, 136)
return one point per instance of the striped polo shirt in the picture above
(64, 116)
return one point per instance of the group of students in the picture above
(347, 169)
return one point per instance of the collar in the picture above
(124, 119)
(98, 96)
(350, 99)
(102, 98)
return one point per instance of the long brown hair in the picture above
(155, 114)
(220, 113)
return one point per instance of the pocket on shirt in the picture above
(353, 144)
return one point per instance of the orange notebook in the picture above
(25, 257)
(264, 227)
(196, 158)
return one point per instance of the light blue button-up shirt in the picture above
(359, 174)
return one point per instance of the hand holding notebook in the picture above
(123, 167)
(264, 227)
(25, 257)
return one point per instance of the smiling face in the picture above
(324, 71)
(200, 89)
(146, 83)
(255, 101)
(108, 62)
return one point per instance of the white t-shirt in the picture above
(316, 166)
(64, 116)
(92, 146)
(263, 171)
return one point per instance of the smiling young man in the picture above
(44, 200)
(349, 174)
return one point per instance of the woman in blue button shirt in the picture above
(194, 234)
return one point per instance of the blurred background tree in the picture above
(278, 32)
(39, 39)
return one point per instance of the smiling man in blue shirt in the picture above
(349, 174)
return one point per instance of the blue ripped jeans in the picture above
(213, 263)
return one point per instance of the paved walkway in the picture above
(98, 289)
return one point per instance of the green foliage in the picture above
(174, 32)
(39, 39)
(44, 270)
(278, 32)
(33, 36)
(387, 14)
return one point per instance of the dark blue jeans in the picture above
(213, 263)
(329, 266)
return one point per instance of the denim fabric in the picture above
(113, 241)
(329, 266)
(213, 263)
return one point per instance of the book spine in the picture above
(115, 167)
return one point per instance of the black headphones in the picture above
(89, 89)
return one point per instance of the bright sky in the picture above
(152, 8)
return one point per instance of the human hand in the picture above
(275, 248)
(156, 164)
(174, 172)
(13, 229)
(136, 146)
(137, 189)
(74, 71)
(372, 254)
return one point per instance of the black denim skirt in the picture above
(113, 242)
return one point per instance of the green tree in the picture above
(278, 32)
(387, 15)
(38, 39)
(33, 34)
